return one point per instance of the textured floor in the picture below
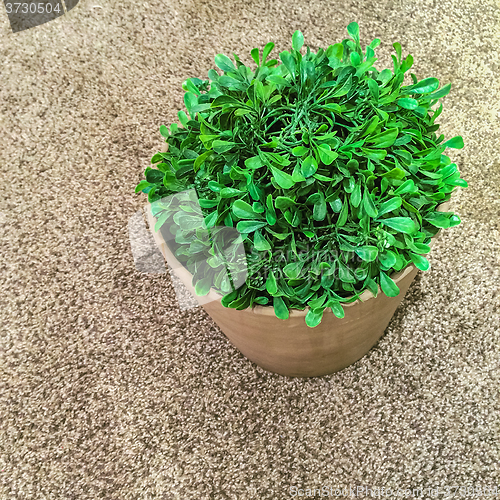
(108, 390)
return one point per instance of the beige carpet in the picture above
(109, 390)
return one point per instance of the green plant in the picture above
(330, 170)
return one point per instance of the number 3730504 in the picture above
(32, 8)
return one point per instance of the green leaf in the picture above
(267, 50)
(244, 211)
(299, 151)
(384, 139)
(270, 212)
(200, 160)
(279, 159)
(297, 174)
(337, 309)
(319, 209)
(389, 206)
(254, 162)
(353, 30)
(388, 286)
(343, 214)
(203, 286)
(407, 103)
(280, 308)
(189, 85)
(313, 198)
(323, 178)
(368, 204)
(255, 56)
(372, 286)
(204, 203)
(374, 89)
(271, 285)
(346, 275)
(187, 222)
(190, 101)
(293, 269)
(297, 40)
(344, 89)
(154, 176)
(261, 300)
(335, 203)
(249, 226)
(398, 49)
(226, 100)
(283, 179)
(332, 107)
(260, 243)
(326, 155)
(387, 259)
(283, 202)
(222, 146)
(199, 108)
(407, 187)
(419, 247)
(183, 118)
(224, 63)
(420, 262)
(424, 86)
(367, 253)
(211, 219)
(278, 80)
(289, 62)
(334, 54)
(356, 195)
(456, 142)
(273, 99)
(407, 63)
(141, 186)
(258, 207)
(438, 219)
(230, 297)
(400, 224)
(164, 131)
(314, 316)
(355, 59)
(395, 173)
(229, 192)
(309, 166)
(161, 220)
(384, 76)
(441, 92)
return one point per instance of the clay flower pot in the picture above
(289, 347)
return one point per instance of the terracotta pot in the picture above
(289, 347)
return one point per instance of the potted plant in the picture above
(328, 174)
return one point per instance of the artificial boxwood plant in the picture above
(330, 171)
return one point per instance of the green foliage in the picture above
(330, 170)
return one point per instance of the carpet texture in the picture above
(109, 390)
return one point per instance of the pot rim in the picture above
(213, 296)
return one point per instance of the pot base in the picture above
(289, 347)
